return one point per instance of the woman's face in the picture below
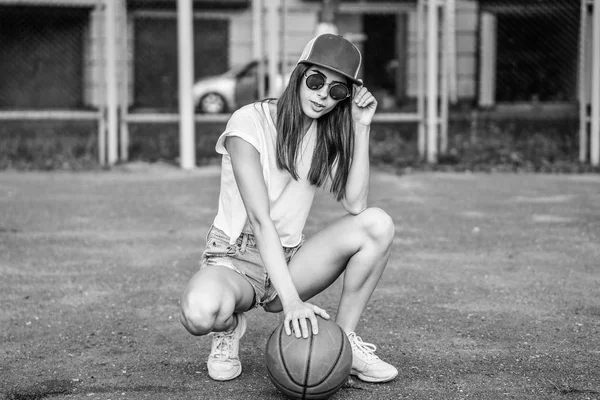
(316, 103)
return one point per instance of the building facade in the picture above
(507, 52)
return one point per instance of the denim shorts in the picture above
(244, 258)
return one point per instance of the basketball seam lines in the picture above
(333, 366)
(307, 373)
(305, 385)
(281, 355)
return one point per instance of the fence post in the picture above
(124, 81)
(432, 81)
(445, 75)
(112, 105)
(487, 69)
(185, 44)
(595, 87)
(583, 123)
(273, 45)
(257, 44)
(421, 76)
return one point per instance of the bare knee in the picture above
(200, 312)
(378, 225)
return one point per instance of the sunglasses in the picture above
(337, 90)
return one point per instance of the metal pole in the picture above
(185, 51)
(284, 44)
(101, 77)
(451, 43)
(112, 101)
(273, 43)
(445, 78)
(421, 77)
(102, 137)
(432, 81)
(327, 17)
(582, 83)
(595, 86)
(124, 74)
(487, 68)
(257, 44)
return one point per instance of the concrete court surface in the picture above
(492, 291)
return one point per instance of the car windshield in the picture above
(241, 69)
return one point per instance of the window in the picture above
(41, 57)
(536, 50)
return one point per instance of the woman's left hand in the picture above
(364, 105)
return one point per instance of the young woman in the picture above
(276, 153)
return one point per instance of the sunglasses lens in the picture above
(338, 92)
(315, 81)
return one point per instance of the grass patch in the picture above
(516, 145)
(48, 145)
(160, 142)
(519, 145)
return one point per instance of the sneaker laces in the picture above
(222, 345)
(366, 349)
(223, 342)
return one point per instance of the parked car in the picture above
(230, 90)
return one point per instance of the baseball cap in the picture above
(333, 52)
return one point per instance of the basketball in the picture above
(311, 368)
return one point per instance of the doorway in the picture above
(384, 57)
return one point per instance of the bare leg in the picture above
(357, 244)
(208, 305)
(211, 297)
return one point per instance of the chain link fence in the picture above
(41, 63)
(537, 47)
(53, 57)
(155, 48)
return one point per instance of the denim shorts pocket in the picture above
(215, 248)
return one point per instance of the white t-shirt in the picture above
(290, 200)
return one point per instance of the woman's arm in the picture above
(247, 170)
(357, 186)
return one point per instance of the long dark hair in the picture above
(334, 142)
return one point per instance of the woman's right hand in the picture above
(296, 316)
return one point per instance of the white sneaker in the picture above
(224, 362)
(366, 365)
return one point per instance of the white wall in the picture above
(300, 27)
(94, 56)
(466, 49)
